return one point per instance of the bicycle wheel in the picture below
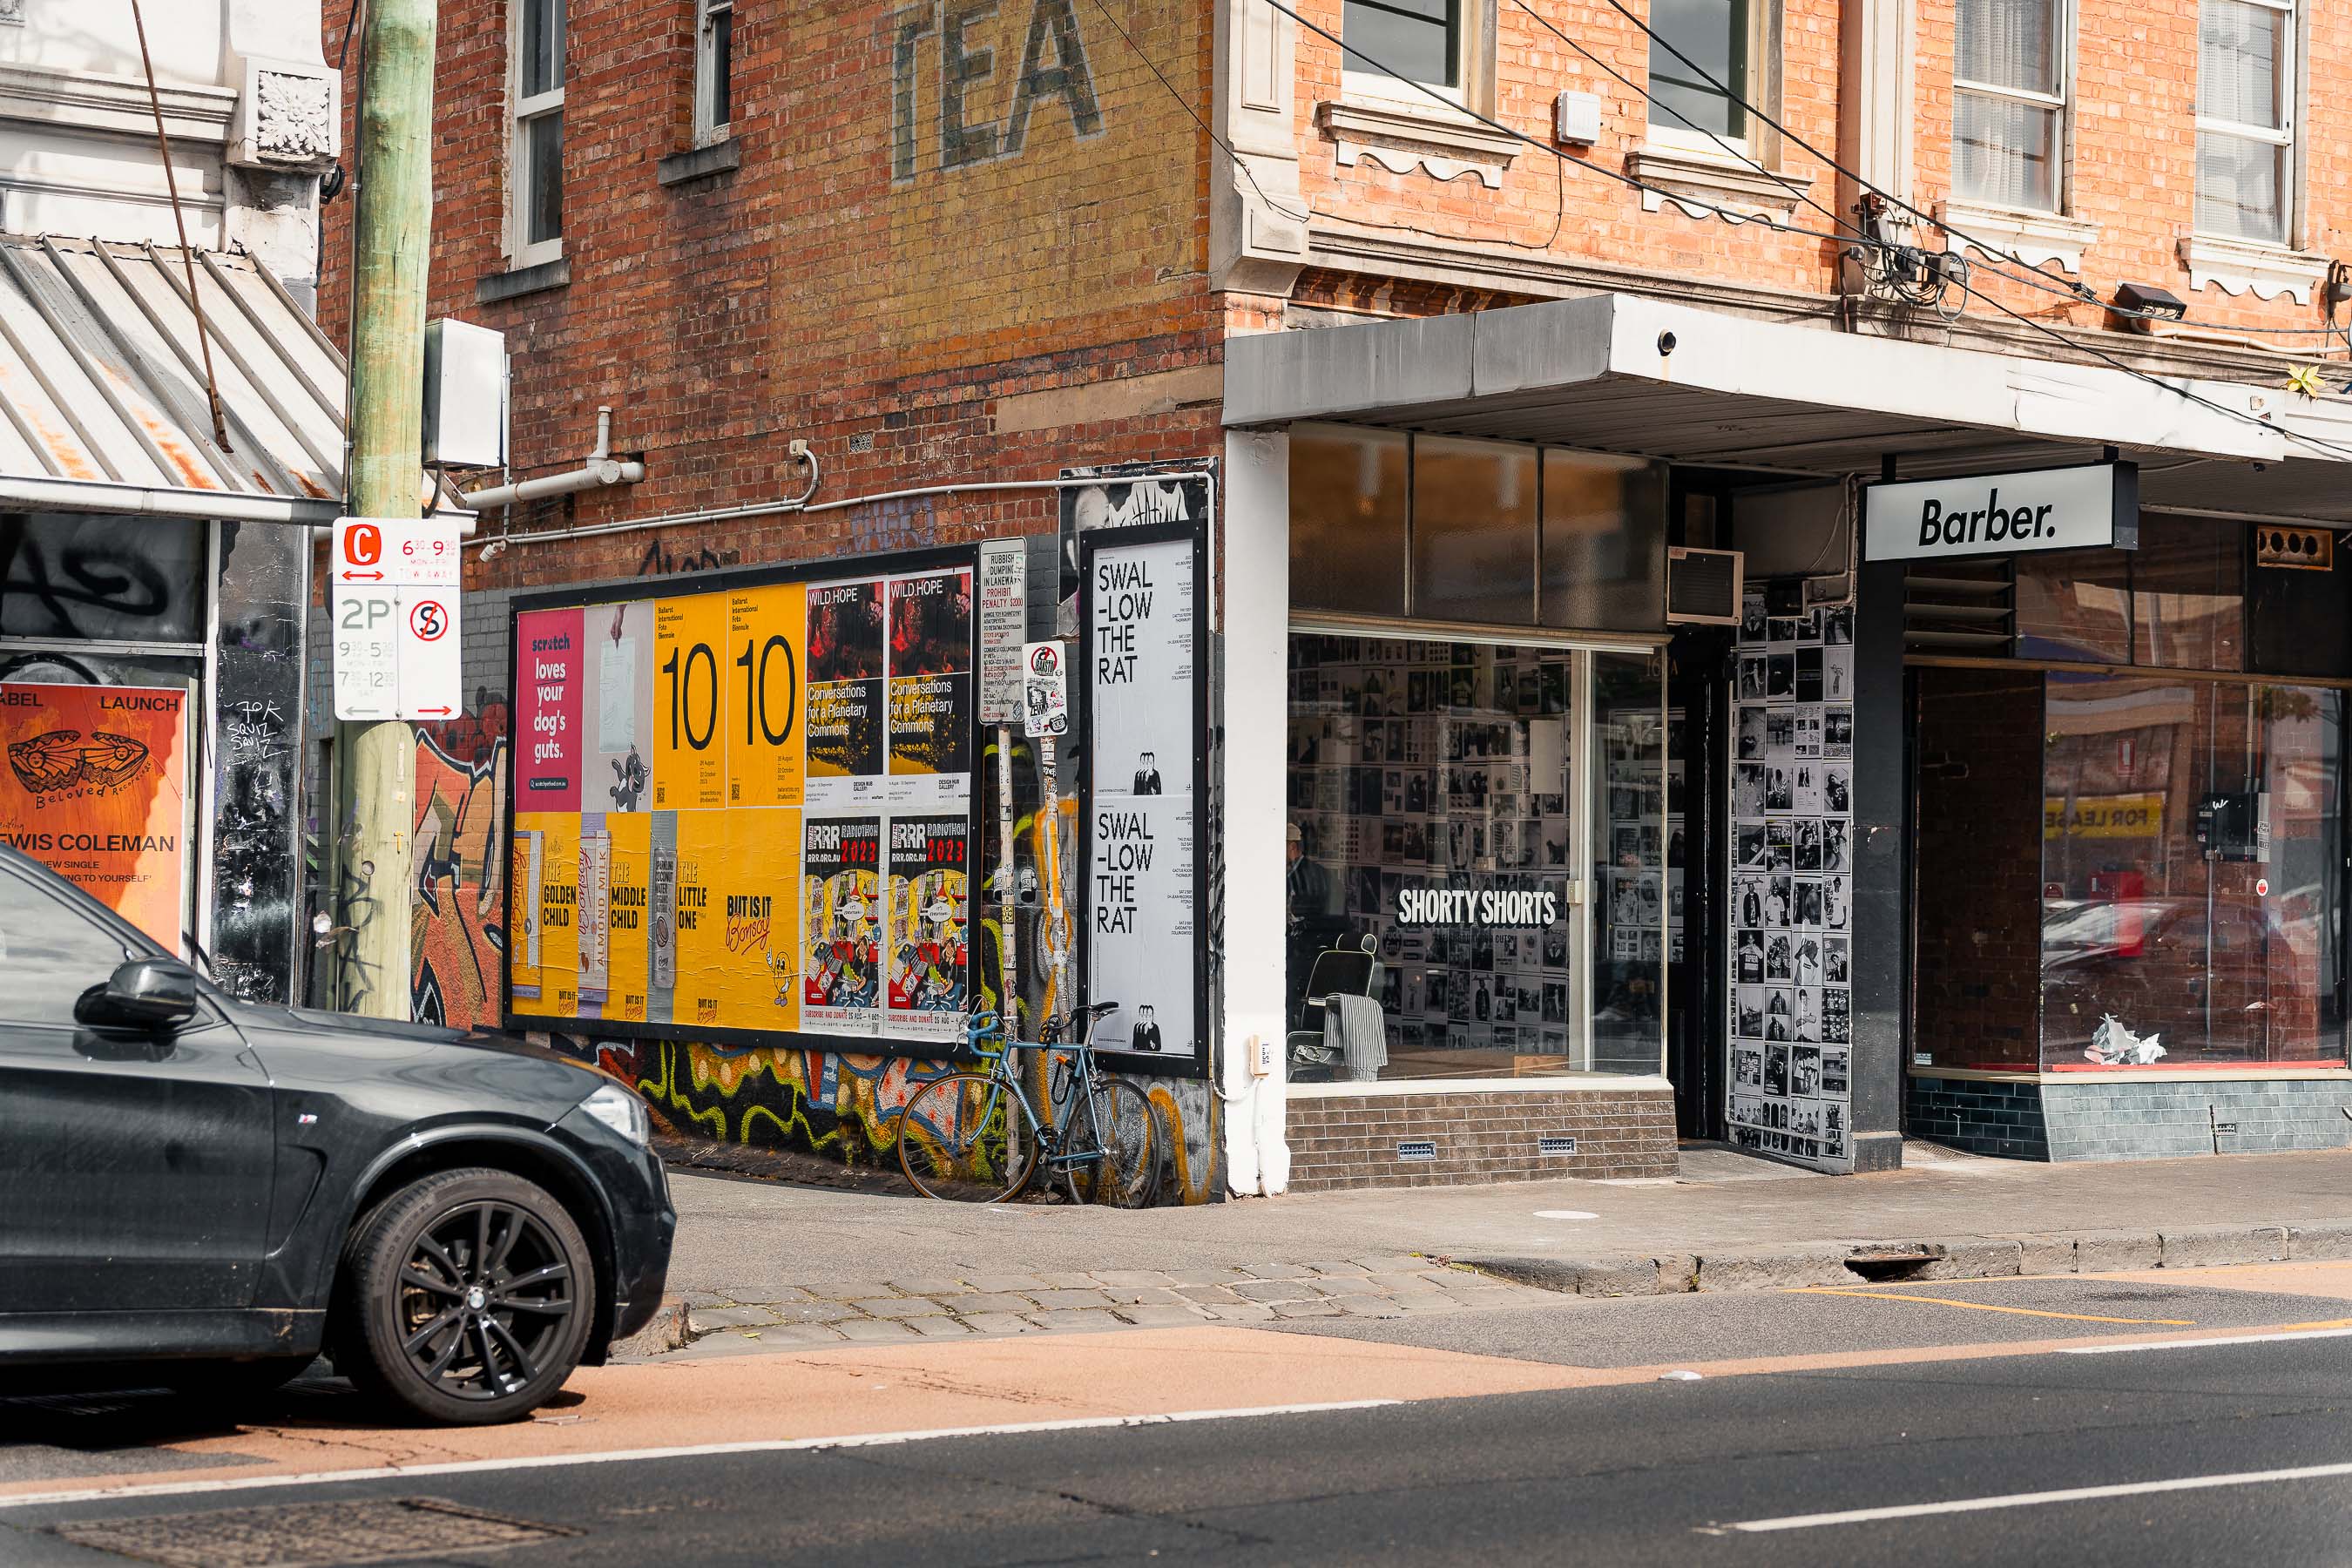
(1127, 1176)
(968, 1138)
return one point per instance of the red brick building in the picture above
(1761, 250)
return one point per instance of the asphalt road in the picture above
(1648, 1471)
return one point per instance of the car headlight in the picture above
(621, 1112)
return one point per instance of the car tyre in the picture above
(465, 1298)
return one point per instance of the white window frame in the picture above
(2291, 96)
(522, 251)
(2062, 140)
(1756, 85)
(710, 73)
(1473, 49)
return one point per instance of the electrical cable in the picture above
(1559, 179)
(2039, 279)
(1627, 180)
(1730, 215)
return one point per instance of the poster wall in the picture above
(1792, 916)
(1142, 673)
(747, 810)
(95, 789)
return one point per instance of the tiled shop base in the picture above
(1380, 1140)
(838, 1311)
(2113, 1118)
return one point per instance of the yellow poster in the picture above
(758, 893)
(703, 848)
(632, 926)
(522, 909)
(95, 790)
(767, 634)
(2103, 816)
(689, 704)
(558, 936)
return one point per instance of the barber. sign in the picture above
(2000, 514)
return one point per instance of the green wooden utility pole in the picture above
(391, 253)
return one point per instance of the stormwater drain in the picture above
(310, 1535)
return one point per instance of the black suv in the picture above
(202, 1192)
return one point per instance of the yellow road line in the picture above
(2322, 1323)
(1988, 1307)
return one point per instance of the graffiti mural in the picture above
(839, 1107)
(457, 909)
(264, 575)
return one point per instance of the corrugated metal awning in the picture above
(102, 384)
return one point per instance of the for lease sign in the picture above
(2000, 514)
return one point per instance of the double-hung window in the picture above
(1699, 69)
(535, 184)
(2245, 124)
(714, 70)
(1391, 42)
(2009, 104)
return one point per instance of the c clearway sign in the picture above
(392, 601)
(2000, 514)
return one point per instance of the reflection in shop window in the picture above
(2193, 874)
(1347, 507)
(1474, 531)
(1433, 789)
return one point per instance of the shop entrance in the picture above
(1493, 823)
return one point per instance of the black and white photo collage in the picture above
(1420, 764)
(1791, 884)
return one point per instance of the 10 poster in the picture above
(747, 809)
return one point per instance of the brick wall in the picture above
(1350, 1141)
(1982, 1116)
(880, 272)
(2114, 1117)
(2134, 166)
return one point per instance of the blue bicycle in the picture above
(975, 1136)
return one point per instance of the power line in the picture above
(1560, 207)
(2039, 279)
(1632, 183)
(1731, 215)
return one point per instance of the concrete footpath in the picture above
(767, 1266)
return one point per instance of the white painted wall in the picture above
(1256, 522)
(252, 111)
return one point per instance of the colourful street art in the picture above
(840, 1107)
(457, 908)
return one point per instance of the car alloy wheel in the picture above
(486, 1297)
(467, 1298)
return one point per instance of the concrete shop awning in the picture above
(1615, 372)
(102, 403)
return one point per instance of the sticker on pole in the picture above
(393, 602)
(1046, 708)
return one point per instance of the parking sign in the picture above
(392, 601)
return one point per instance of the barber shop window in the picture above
(2177, 602)
(1489, 533)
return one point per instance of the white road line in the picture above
(2200, 1344)
(691, 1451)
(2035, 1500)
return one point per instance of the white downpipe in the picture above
(599, 469)
(785, 505)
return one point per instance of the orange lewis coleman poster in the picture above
(96, 790)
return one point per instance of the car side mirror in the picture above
(153, 994)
